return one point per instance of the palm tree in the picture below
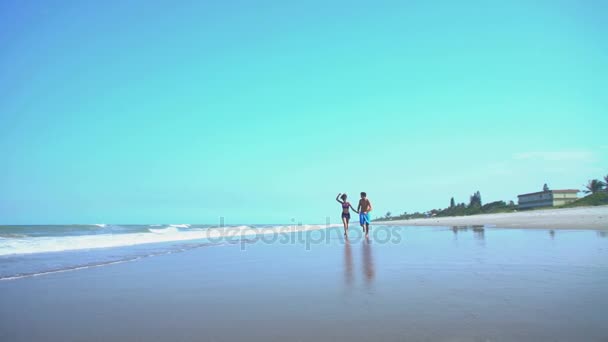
(594, 186)
(388, 214)
(606, 182)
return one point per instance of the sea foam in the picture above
(30, 245)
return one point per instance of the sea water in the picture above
(42, 249)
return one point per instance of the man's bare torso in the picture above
(364, 205)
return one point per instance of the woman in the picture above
(345, 211)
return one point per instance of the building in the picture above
(548, 198)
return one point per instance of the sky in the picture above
(263, 111)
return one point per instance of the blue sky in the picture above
(183, 111)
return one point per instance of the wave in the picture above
(180, 225)
(167, 230)
(77, 267)
(66, 269)
(13, 236)
(46, 244)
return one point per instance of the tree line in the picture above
(596, 188)
(475, 206)
(595, 185)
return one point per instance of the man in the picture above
(365, 206)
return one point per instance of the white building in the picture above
(549, 198)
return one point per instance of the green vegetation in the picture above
(598, 198)
(594, 185)
(598, 194)
(474, 207)
(597, 189)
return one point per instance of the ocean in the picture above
(33, 250)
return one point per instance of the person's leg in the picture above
(366, 230)
(362, 221)
(345, 222)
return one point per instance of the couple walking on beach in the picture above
(365, 206)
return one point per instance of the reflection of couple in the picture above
(369, 272)
(365, 206)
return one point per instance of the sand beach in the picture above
(568, 218)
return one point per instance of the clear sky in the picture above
(262, 111)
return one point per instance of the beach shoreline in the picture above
(433, 284)
(565, 218)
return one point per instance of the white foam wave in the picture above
(32, 245)
(164, 230)
(101, 225)
(180, 225)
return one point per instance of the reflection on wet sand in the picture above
(457, 229)
(368, 262)
(478, 231)
(552, 234)
(348, 263)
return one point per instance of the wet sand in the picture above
(414, 284)
(569, 218)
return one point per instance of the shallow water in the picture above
(406, 283)
(44, 249)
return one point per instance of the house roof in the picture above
(564, 191)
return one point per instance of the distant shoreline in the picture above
(565, 218)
